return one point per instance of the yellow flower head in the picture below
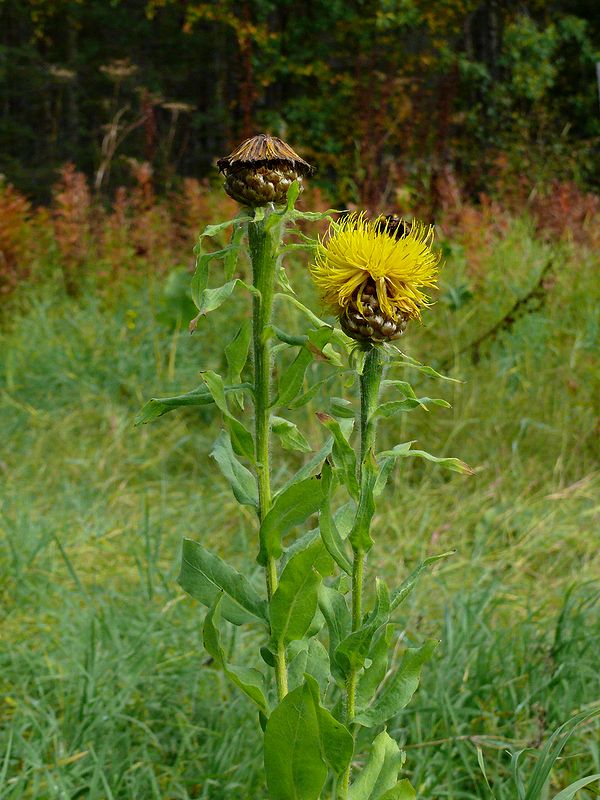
(386, 258)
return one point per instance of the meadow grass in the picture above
(106, 690)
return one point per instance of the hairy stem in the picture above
(263, 255)
(370, 384)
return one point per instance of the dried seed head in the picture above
(261, 170)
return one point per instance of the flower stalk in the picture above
(370, 387)
(263, 245)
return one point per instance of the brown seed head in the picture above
(261, 170)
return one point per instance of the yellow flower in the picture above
(385, 259)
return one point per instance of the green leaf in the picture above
(200, 276)
(386, 410)
(211, 299)
(371, 678)
(343, 454)
(380, 773)
(404, 451)
(407, 361)
(291, 508)
(360, 537)
(241, 438)
(337, 743)
(311, 465)
(352, 651)
(402, 592)
(236, 352)
(339, 623)
(317, 663)
(291, 380)
(331, 536)
(241, 480)
(342, 408)
(231, 257)
(294, 602)
(401, 791)
(572, 789)
(249, 680)
(294, 767)
(289, 435)
(320, 344)
(204, 575)
(158, 406)
(212, 230)
(398, 692)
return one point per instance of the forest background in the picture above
(480, 116)
(376, 94)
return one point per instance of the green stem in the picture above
(370, 384)
(263, 255)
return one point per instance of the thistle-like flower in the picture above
(371, 274)
(261, 170)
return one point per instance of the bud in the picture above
(363, 319)
(261, 170)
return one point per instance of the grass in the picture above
(106, 690)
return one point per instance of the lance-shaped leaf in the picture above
(386, 410)
(343, 454)
(158, 406)
(340, 407)
(241, 438)
(308, 656)
(320, 343)
(290, 508)
(294, 766)
(328, 529)
(231, 257)
(314, 463)
(339, 623)
(371, 678)
(294, 602)
(236, 353)
(249, 680)
(360, 537)
(352, 651)
(380, 773)
(211, 299)
(404, 360)
(402, 592)
(241, 480)
(205, 575)
(398, 691)
(292, 378)
(289, 435)
(404, 451)
(337, 743)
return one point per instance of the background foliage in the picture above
(376, 94)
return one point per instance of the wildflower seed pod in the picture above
(261, 170)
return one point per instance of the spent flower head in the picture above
(261, 170)
(372, 273)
